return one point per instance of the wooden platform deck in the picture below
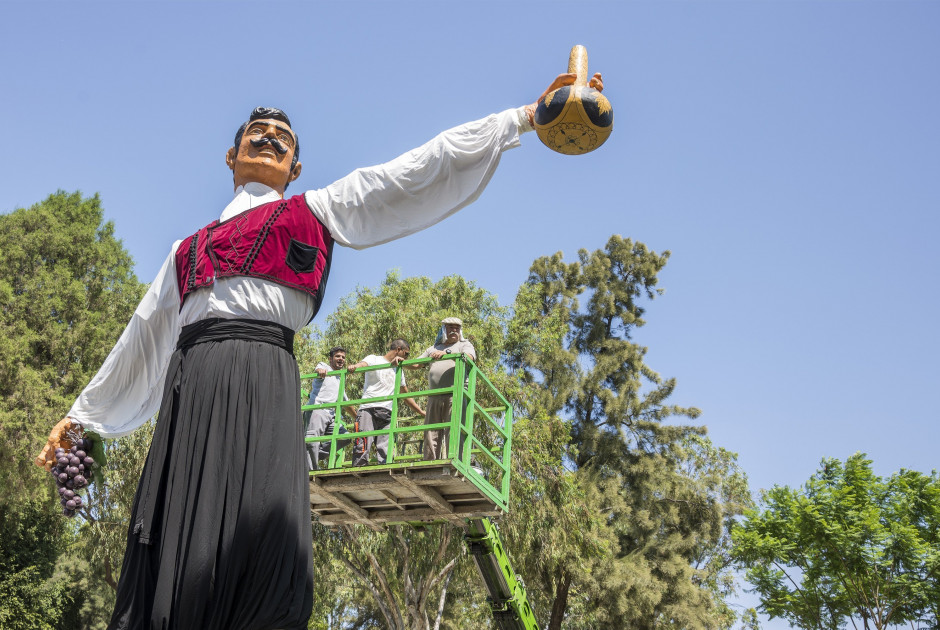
(376, 496)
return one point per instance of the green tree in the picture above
(634, 510)
(411, 308)
(102, 536)
(406, 577)
(847, 547)
(66, 292)
(618, 517)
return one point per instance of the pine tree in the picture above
(66, 292)
(643, 504)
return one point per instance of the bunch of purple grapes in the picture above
(72, 472)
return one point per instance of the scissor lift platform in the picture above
(376, 496)
(466, 488)
(407, 488)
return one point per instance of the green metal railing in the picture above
(479, 429)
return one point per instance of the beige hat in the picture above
(452, 320)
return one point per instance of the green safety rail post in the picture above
(338, 406)
(464, 442)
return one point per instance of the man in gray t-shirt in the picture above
(320, 421)
(441, 374)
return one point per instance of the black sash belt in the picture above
(218, 329)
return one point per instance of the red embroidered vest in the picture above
(281, 241)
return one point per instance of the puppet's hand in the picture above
(562, 80)
(59, 436)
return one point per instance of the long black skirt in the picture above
(220, 533)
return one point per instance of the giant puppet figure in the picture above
(220, 535)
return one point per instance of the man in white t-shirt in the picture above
(375, 416)
(320, 421)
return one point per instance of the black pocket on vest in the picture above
(301, 257)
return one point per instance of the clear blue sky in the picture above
(786, 153)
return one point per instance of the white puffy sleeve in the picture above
(381, 203)
(127, 390)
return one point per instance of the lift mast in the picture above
(507, 596)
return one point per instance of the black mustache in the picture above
(274, 142)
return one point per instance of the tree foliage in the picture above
(618, 517)
(66, 292)
(634, 510)
(410, 308)
(847, 547)
(619, 513)
(402, 577)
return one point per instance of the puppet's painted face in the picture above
(264, 155)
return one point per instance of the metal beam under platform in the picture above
(376, 495)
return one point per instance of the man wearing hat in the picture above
(325, 389)
(441, 374)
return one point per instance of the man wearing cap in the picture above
(441, 374)
(325, 389)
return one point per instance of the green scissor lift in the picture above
(465, 488)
